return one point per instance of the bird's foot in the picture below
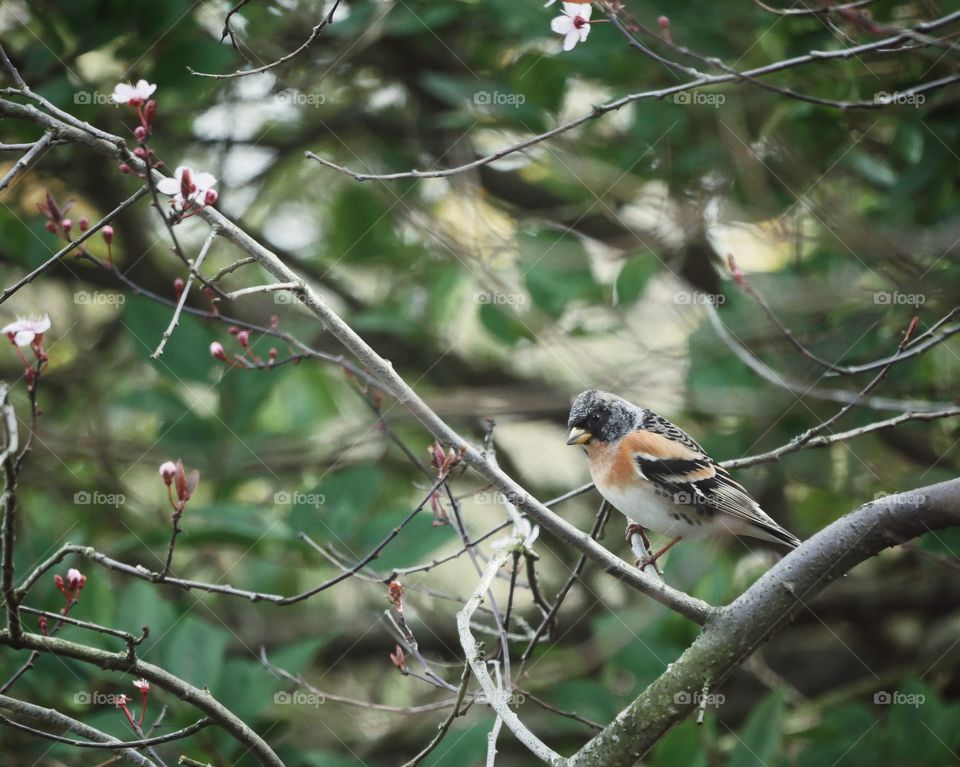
(635, 529)
(651, 559)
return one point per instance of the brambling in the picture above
(660, 479)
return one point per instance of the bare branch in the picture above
(314, 34)
(55, 718)
(175, 319)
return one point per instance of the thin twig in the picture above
(39, 146)
(314, 34)
(73, 244)
(194, 271)
(445, 725)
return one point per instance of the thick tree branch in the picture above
(735, 632)
(112, 661)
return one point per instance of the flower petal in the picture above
(561, 24)
(204, 180)
(24, 337)
(584, 31)
(571, 9)
(168, 186)
(585, 10)
(571, 39)
(121, 93)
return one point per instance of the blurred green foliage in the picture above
(500, 292)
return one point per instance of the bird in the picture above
(660, 478)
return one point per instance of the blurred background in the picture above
(593, 260)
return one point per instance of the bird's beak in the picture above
(578, 436)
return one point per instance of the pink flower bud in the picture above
(51, 227)
(243, 338)
(58, 582)
(233, 330)
(150, 111)
(664, 22)
(210, 197)
(273, 354)
(217, 351)
(67, 225)
(178, 286)
(75, 579)
(140, 152)
(167, 470)
(107, 233)
(83, 223)
(140, 133)
(124, 168)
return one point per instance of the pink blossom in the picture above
(25, 330)
(143, 685)
(574, 24)
(134, 95)
(187, 187)
(217, 351)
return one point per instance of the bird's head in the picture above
(599, 416)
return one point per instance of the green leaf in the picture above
(194, 651)
(633, 278)
(502, 324)
(759, 740)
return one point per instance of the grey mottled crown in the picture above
(606, 416)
